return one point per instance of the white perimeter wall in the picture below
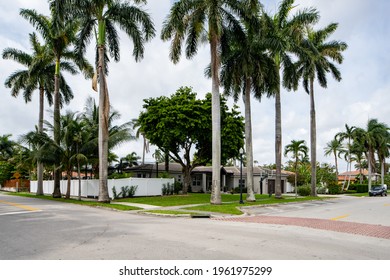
(146, 186)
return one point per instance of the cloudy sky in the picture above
(363, 93)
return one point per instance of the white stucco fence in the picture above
(90, 188)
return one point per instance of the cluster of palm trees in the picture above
(368, 147)
(251, 51)
(66, 33)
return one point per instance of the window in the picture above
(197, 180)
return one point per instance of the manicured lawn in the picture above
(230, 202)
(177, 200)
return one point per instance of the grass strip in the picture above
(80, 202)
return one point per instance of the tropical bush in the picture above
(126, 192)
(304, 190)
(334, 188)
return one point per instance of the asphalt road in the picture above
(32, 229)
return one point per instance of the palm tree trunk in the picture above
(369, 169)
(248, 143)
(69, 177)
(57, 128)
(216, 123)
(278, 144)
(382, 172)
(79, 175)
(337, 168)
(104, 111)
(40, 130)
(296, 176)
(313, 141)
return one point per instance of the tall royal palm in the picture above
(58, 35)
(101, 17)
(315, 61)
(37, 75)
(190, 22)
(284, 33)
(246, 68)
(298, 149)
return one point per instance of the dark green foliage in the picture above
(126, 192)
(171, 189)
(5, 171)
(120, 175)
(180, 125)
(361, 188)
(304, 191)
(334, 188)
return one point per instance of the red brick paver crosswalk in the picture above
(377, 231)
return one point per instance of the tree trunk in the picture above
(369, 170)
(69, 177)
(248, 143)
(104, 111)
(187, 179)
(313, 141)
(278, 144)
(296, 177)
(216, 122)
(57, 128)
(382, 172)
(79, 175)
(40, 130)
(337, 168)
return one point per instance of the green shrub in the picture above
(167, 189)
(170, 189)
(304, 190)
(361, 188)
(177, 187)
(126, 192)
(237, 190)
(334, 188)
(120, 175)
(114, 193)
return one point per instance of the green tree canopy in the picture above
(181, 126)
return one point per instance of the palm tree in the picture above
(347, 135)
(369, 139)
(100, 18)
(246, 68)
(315, 61)
(334, 148)
(37, 75)
(382, 148)
(298, 150)
(357, 154)
(6, 147)
(191, 21)
(117, 134)
(58, 35)
(283, 32)
(145, 147)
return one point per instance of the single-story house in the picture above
(353, 176)
(201, 177)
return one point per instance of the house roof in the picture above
(356, 173)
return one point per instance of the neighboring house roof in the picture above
(356, 173)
